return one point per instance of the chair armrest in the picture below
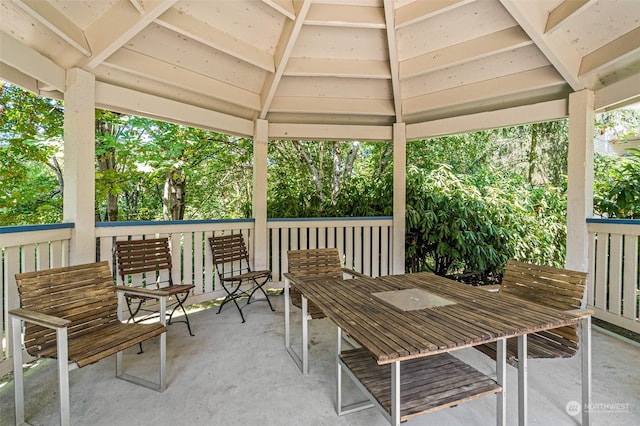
(146, 292)
(354, 273)
(292, 278)
(581, 313)
(39, 318)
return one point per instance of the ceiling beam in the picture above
(284, 7)
(533, 19)
(154, 69)
(526, 81)
(347, 68)
(54, 20)
(621, 93)
(389, 15)
(115, 98)
(212, 37)
(138, 4)
(624, 46)
(328, 132)
(565, 10)
(544, 111)
(478, 48)
(118, 25)
(287, 41)
(333, 15)
(420, 10)
(29, 62)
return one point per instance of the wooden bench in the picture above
(557, 288)
(74, 314)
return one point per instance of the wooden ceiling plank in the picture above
(520, 82)
(212, 37)
(389, 15)
(153, 69)
(118, 26)
(299, 104)
(481, 47)
(284, 7)
(345, 16)
(288, 38)
(565, 10)
(420, 10)
(562, 56)
(344, 68)
(625, 46)
(55, 21)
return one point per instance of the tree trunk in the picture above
(107, 166)
(533, 155)
(173, 199)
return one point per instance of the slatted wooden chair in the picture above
(73, 314)
(231, 260)
(147, 264)
(305, 265)
(558, 288)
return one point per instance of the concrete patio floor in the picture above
(240, 374)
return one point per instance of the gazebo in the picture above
(374, 70)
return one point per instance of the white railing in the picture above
(364, 243)
(614, 277)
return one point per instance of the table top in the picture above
(390, 333)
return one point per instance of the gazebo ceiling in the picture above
(223, 64)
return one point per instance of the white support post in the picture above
(260, 231)
(580, 178)
(79, 164)
(399, 195)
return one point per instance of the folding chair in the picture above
(147, 264)
(231, 260)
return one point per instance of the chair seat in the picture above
(247, 276)
(172, 290)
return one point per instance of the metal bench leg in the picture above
(18, 374)
(585, 354)
(501, 370)
(63, 376)
(522, 380)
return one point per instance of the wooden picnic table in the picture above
(389, 318)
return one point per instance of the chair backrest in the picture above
(553, 287)
(315, 263)
(82, 294)
(147, 262)
(230, 255)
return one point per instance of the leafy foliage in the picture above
(617, 185)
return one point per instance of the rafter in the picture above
(55, 21)
(420, 10)
(288, 39)
(625, 46)
(138, 4)
(389, 16)
(567, 9)
(562, 56)
(283, 6)
(481, 47)
(119, 25)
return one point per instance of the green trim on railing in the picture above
(328, 219)
(31, 228)
(169, 222)
(613, 221)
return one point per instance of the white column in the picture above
(399, 195)
(79, 164)
(260, 233)
(580, 178)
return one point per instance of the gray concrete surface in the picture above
(239, 374)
